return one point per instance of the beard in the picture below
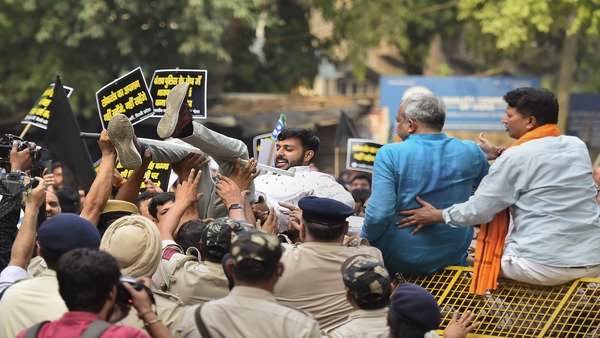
(284, 163)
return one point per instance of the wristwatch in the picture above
(235, 206)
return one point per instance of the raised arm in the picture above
(131, 189)
(22, 248)
(185, 196)
(100, 190)
(232, 197)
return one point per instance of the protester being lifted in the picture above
(177, 123)
(545, 178)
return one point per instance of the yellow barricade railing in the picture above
(517, 309)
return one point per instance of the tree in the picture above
(407, 26)
(284, 56)
(91, 42)
(527, 24)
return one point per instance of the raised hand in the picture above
(243, 176)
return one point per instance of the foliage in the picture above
(91, 42)
(408, 26)
(287, 57)
(516, 22)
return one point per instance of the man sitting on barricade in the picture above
(546, 180)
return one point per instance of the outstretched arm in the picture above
(100, 190)
(185, 196)
(131, 189)
(22, 248)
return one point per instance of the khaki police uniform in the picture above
(363, 324)
(30, 301)
(312, 281)
(192, 281)
(249, 312)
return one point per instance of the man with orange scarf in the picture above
(545, 179)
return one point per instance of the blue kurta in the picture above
(443, 171)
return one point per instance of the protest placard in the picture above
(361, 154)
(256, 143)
(39, 114)
(127, 95)
(165, 79)
(159, 173)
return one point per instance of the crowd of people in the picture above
(240, 253)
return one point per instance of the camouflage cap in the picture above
(256, 245)
(366, 279)
(217, 235)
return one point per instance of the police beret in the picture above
(414, 305)
(366, 279)
(324, 210)
(255, 245)
(64, 232)
(217, 235)
(120, 206)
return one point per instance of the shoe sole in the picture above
(166, 125)
(120, 132)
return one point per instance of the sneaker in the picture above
(122, 137)
(177, 115)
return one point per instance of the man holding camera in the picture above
(89, 283)
(32, 300)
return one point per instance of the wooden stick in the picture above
(25, 130)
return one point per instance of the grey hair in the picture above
(425, 108)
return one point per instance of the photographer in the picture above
(88, 283)
(23, 245)
(15, 165)
(32, 300)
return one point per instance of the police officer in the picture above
(195, 281)
(312, 279)
(250, 310)
(368, 290)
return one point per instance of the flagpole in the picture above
(25, 130)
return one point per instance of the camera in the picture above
(12, 183)
(6, 144)
(124, 297)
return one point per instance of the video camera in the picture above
(124, 297)
(12, 182)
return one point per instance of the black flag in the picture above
(62, 139)
(344, 130)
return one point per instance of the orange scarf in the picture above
(491, 237)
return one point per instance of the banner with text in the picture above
(361, 154)
(159, 173)
(472, 102)
(39, 114)
(127, 95)
(165, 79)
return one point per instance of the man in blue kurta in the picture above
(431, 166)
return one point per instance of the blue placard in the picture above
(473, 103)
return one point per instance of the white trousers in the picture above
(527, 271)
